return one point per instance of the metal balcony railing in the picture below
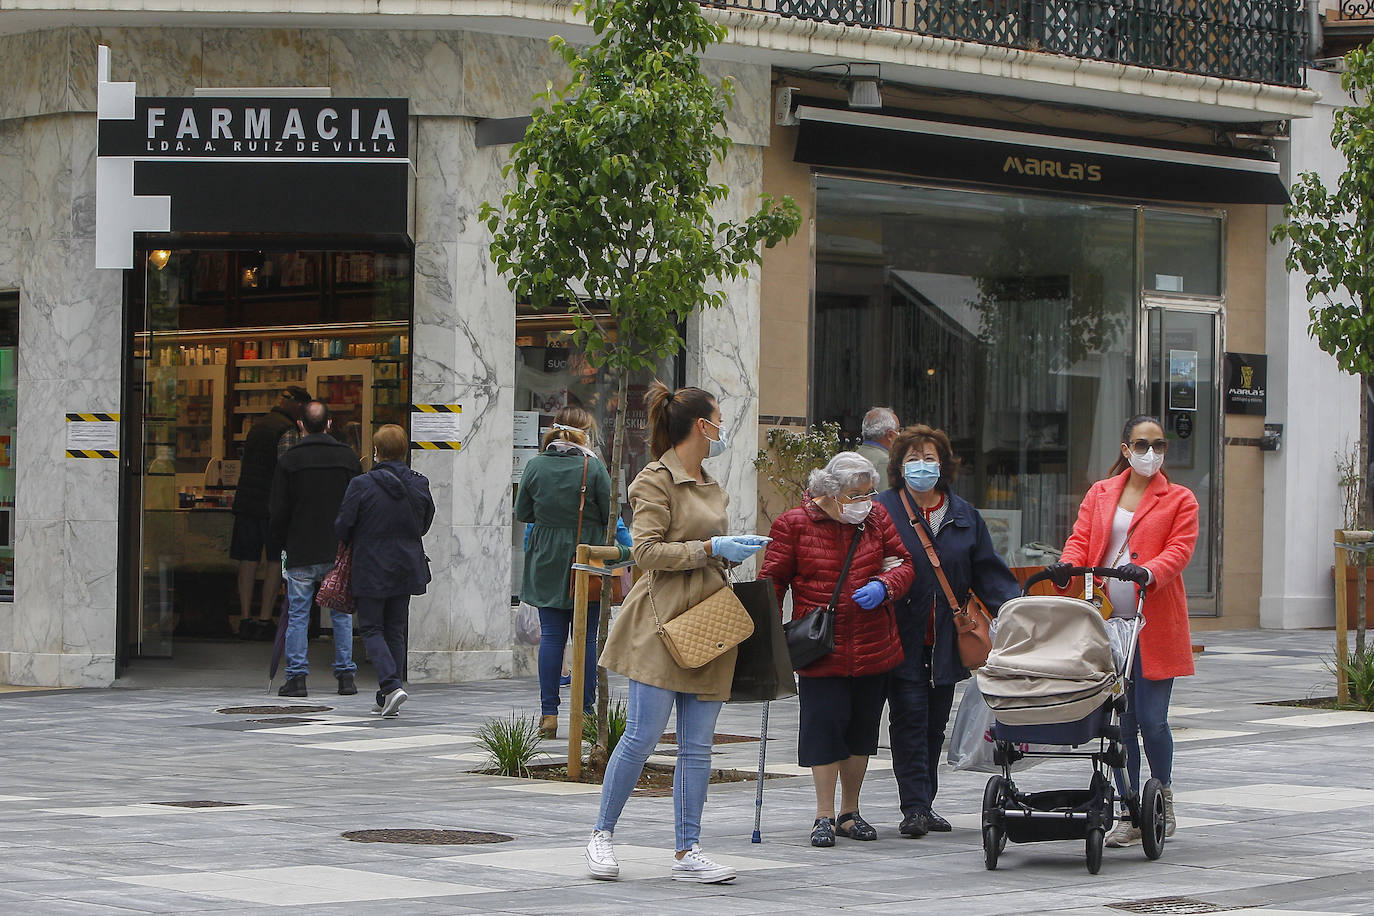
(1260, 41)
(1356, 9)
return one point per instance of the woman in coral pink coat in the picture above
(1139, 522)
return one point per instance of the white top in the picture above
(1121, 594)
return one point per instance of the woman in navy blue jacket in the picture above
(920, 471)
(384, 514)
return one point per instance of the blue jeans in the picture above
(554, 626)
(917, 715)
(301, 583)
(1146, 721)
(647, 717)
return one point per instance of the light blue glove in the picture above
(736, 548)
(871, 595)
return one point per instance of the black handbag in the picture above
(812, 637)
(763, 669)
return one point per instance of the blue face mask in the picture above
(921, 475)
(719, 444)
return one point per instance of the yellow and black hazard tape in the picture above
(92, 418)
(437, 408)
(92, 453)
(438, 446)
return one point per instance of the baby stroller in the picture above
(1051, 679)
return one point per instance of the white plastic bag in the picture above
(971, 744)
(527, 628)
(1119, 631)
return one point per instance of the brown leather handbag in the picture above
(971, 620)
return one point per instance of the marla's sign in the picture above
(260, 128)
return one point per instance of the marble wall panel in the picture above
(38, 84)
(482, 182)
(91, 486)
(81, 224)
(483, 665)
(481, 596)
(441, 173)
(429, 667)
(40, 472)
(264, 57)
(481, 471)
(13, 227)
(39, 587)
(749, 120)
(85, 670)
(88, 614)
(160, 62)
(501, 73)
(485, 356)
(38, 669)
(14, 254)
(45, 206)
(426, 67)
(431, 613)
(70, 320)
(436, 319)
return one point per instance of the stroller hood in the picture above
(1051, 661)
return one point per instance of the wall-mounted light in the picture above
(860, 80)
(159, 258)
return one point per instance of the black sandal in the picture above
(858, 829)
(823, 833)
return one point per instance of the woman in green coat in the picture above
(565, 476)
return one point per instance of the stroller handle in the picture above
(1106, 572)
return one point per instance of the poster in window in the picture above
(1183, 380)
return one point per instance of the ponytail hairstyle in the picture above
(1121, 461)
(582, 433)
(672, 414)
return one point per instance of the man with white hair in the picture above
(879, 431)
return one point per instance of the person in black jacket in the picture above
(307, 490)
(268, 438)
(384, 515)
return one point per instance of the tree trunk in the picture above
(1366, 515)
(599, 754)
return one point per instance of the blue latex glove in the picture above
(622, 534)
(736, 548)
(871, 595)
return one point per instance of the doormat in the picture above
(427, 837)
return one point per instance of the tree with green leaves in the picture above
(611, 209)
(1332, 242)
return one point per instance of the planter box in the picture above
(1352, 600)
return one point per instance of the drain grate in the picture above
(271, 710)
(285, 720)
(1171, 906)
(200, 804)
(427, 837)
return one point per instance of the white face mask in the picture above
(855, 513)
(1146, 465)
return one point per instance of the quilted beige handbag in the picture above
(706, 630)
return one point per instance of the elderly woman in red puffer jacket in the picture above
(842, 694)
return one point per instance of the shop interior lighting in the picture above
(159, 258)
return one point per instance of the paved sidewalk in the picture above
(1275, 806)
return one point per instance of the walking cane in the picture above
(758, 795)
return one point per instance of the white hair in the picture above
(878, 422)
(845, 470)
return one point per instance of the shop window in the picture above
(217, 336)
(1182, 253)
(551, 373)
(9, 375)
(1008, 322)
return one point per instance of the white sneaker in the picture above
(1123, 834)
(392, 707)
(600, 853)
(694, 866)
(1170, 823)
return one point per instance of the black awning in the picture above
(1001, 157)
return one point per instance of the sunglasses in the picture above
(1141, 446)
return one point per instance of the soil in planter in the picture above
(1308, 703)
(657, 779)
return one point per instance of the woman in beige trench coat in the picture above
(681, 545)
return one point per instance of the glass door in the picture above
(1184, 349)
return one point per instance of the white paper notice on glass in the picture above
(521, 457)
(92, 435)
(526, 429)
(436, 426)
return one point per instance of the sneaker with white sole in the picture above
(600, 853)
(1170, 822)
(1122, 835)
(392, 707)
(694, 866)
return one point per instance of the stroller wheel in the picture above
(994, 833)
(1152, 818)
(1093, 848)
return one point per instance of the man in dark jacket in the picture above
(307, 489)
(271, 435)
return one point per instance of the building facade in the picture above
(1028, 308)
